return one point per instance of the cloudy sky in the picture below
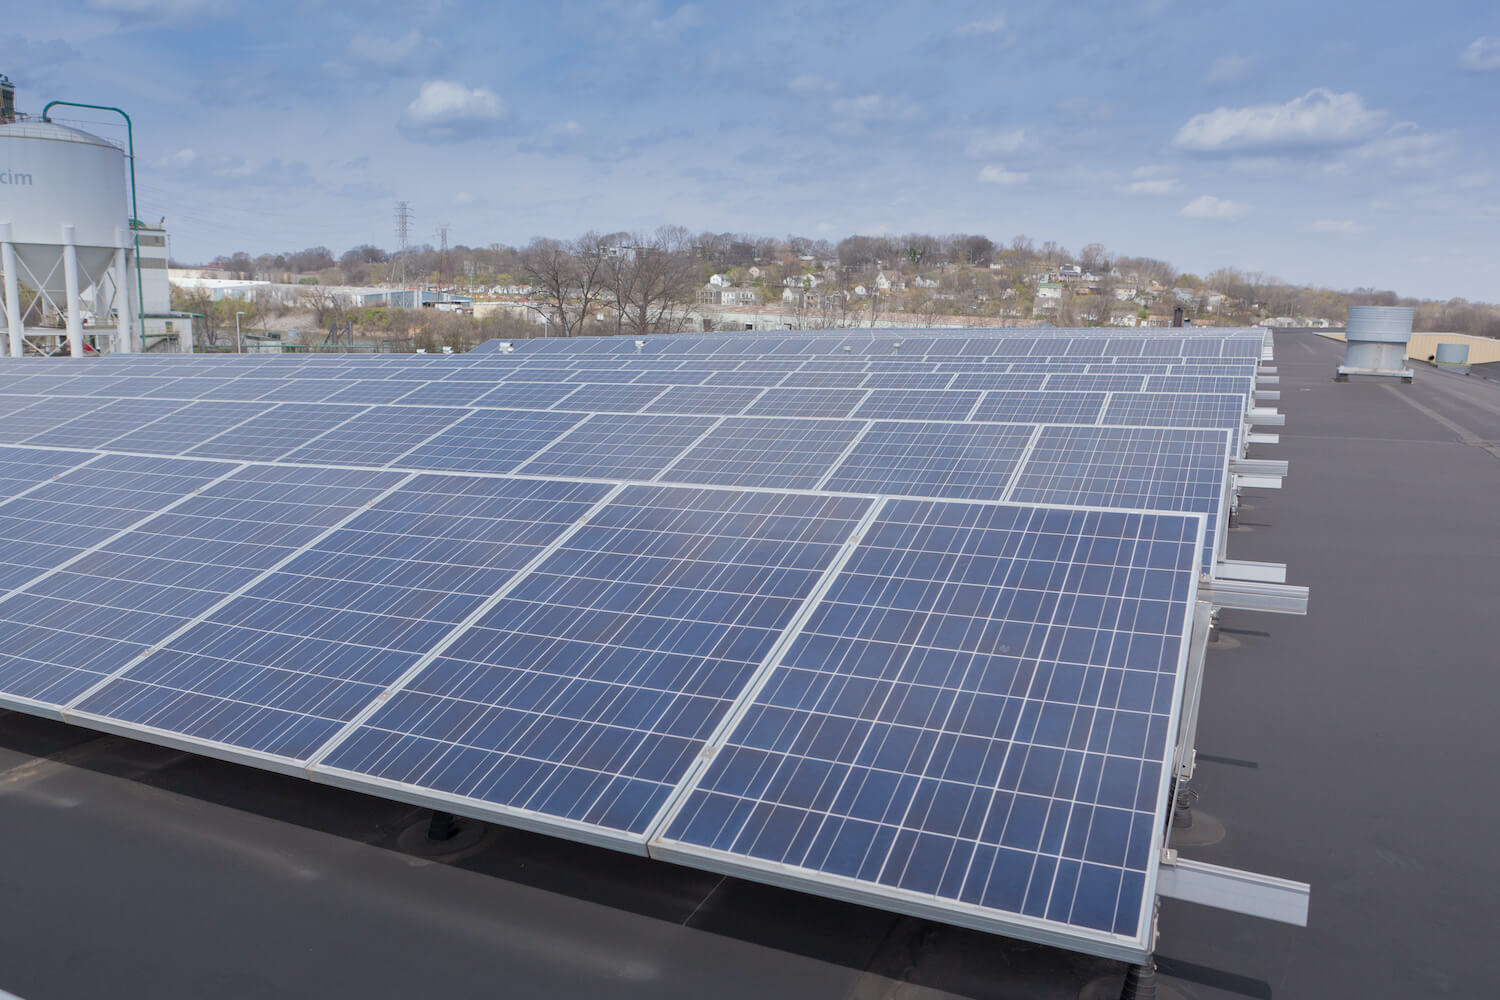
(1317, 140)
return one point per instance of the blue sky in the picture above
(1335, 143)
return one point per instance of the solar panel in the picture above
(626, 446)
(187, 427)
(370, 390)
(1041, 407)
(910, 458)
(78, 625)
(377, 436)
(973, 724)
(807, 403)
(767, 453)
(581, 698)
(1183, 409)
(275, 432)
(22, 469)
(705, 399)
(67, 514)
(610, 398)
(490, 441)
(524, 395)
(1137, 468)
(43, 415)
(280, 668)
(917, 404)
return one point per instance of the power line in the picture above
(403, 238)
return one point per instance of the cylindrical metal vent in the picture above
(1377, 337)
(1454, 357)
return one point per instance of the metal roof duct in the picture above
(1454, 357)
(1377, 338)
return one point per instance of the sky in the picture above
(1348, 145)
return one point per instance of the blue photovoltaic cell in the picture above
(108, 421)
(762, 380)
(588, 690)
(1176, 409)
(526, 395)
(907, 380)
(71, 629)
(280, 669)
(1084, 382)
(705, 399)
(1243, 384)
(44, 415)
(619, 446)
(275, 432)
(77, 510)
(448, 393)
(768, 453)
(490, 441)
(188, 427)
(303, 390)
(807, 403)
(999, 380)
(956, 461)
(369, 390)
(376, 436)
(1041, 407)
(820, 379)
(1137, 468)
(23, 468)
(604, 397)
(975, 715)
(917, 404)
(244, 388)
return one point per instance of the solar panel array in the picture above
(896, 616)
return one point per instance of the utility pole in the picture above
(403, 240)
(239, 343)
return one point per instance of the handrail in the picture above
(135, 212)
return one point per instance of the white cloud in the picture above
(1336, 226)
(182, 158)
(854, 114)
(1159, 185)
(1006, 143)
(1468, 182)
(1228, 69)
(1482, 55)
(445, 111)
(1316, 120)
(1217, 209)
(996, 174)
(409, 51)
(809, 84)
(984, 26)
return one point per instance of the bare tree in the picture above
(655, 282)
(568, 281)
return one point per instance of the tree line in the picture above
(624, 282)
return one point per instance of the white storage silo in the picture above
(64, 226)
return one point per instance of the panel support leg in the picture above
(1140, 981)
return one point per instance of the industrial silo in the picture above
(1376, 338)
(64, 230)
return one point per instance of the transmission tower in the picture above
(403, 239)
(442, 235)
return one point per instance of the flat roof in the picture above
(1352, 748)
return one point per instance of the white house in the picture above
(720, 281)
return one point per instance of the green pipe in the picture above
(135, 212)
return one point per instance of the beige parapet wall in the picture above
(1482, 350)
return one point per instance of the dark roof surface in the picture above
(1353, 749)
